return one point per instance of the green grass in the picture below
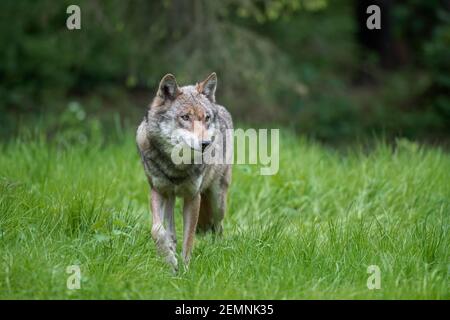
(310, 231)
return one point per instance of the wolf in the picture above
(191, 116)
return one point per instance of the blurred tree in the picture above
(135, 43)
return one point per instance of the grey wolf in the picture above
(190, 114)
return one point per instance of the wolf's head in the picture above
(184, 114)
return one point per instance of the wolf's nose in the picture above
(205, 144)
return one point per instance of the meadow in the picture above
(309, 232)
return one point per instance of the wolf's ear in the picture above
(208, 87)
(168, 88)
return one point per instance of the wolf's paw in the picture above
(165, 246)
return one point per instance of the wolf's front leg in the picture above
(190, 217)
(169, 219)
(162, 210)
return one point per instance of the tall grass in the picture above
(311, 231)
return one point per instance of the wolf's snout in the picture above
(205, 144)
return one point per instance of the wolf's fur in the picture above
(202, 186)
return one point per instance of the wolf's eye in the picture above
(207, 118)
(185, 117)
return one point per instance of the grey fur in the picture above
(202, 186)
